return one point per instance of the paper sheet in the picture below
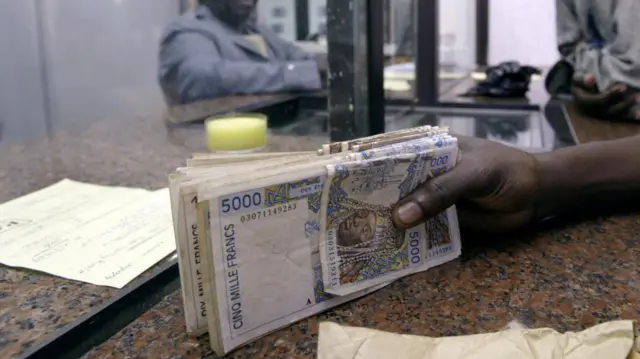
(613, 340)
(95, 234)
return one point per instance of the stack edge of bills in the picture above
(265, 240)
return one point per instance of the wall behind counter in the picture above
(523, 30)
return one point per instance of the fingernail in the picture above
(409, 213)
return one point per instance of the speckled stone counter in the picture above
(138, 152)
(567, 278)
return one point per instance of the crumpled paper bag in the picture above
(613, 340)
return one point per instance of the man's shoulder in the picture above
(192, 21)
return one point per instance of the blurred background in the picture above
(73, 62)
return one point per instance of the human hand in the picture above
(616, 103)
(494, 187)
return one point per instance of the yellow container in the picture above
(237, 132)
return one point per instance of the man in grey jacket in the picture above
(600, 49)
(218, 49)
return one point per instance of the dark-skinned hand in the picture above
(494, 187)
(617, 103)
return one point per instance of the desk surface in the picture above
(567, 278)
(587, 129)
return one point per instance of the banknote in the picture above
(344, 146)
(204, 159)
(183, 188)
(411, 146)
(441, 233)
(267, 271)
(393, 140)
(359, 245)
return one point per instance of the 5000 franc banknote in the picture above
(266, 270)
(183, 188)
(359, 244)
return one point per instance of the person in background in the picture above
(498, 188)
(218, 49)
(600, 57)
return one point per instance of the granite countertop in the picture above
(567, 278)
(138, 152)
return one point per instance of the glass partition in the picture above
(77, 62)
(399, 74)
(279, 16)
(456, 38)
(528, 130)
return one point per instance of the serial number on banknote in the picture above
(268, 212)
(437, 252)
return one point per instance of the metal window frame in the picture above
(355, 38)
(482, 33)
(302, 19)
(427, 58)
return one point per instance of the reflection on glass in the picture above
(310, 32)
(279, 16)
(318, 17)
(456, 39)
(527, 130)
(457, 21)
(456, 42)
(400, 30)
(100, 58)
(399, 50)
(503, 129)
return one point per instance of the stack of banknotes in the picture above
(265, 240)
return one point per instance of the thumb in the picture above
(436, 195)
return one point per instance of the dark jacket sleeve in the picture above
(191, 69)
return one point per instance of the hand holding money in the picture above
(268, 239)
(494, 186)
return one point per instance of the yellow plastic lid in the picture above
(236, 132)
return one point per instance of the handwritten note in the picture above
(95, 234)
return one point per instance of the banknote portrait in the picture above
(367, 240)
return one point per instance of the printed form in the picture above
(96, 234)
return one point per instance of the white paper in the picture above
(95, 234)
(612, 340)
